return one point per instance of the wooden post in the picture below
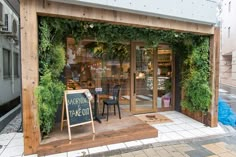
(214, 79)
(29, 68)
(62, 113)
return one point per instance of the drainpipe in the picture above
(12, 66)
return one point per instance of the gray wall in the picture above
(10, 87)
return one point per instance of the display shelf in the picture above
(161, 61)
(164, 52)
(164, 65)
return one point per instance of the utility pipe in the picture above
(12, 67)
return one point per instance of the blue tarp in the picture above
(225, 114)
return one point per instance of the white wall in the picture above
(9, 88)
(228, 42)
(228, 20)
(234, 65)
(199, 11)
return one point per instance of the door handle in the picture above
(134, 83)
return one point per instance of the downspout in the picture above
(12, 67)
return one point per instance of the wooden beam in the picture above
(214, 79)
(115, 17)
(29, 68)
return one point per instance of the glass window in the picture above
(6, 64)
(5, 28)
(16, 65)
(93, 65)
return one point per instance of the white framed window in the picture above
(6, 64)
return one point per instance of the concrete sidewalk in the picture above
(182, 129)
(215, 147)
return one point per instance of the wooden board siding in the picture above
(29, 67)
(115, 17)
(137, 132)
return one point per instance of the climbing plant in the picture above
(191, 49)
(196, 72)
(51, 63)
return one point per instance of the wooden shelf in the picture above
(163, 76)
(164, 52)
(164, 60)
(167, 65)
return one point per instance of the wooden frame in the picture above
(30, 9)
(212, 119)
(65, 103)
(132, 72)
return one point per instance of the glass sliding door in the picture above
(143, 81)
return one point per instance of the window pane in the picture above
(16, 70)
(6, 64)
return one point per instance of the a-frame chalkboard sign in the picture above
(78, 108)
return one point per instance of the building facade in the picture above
(228, 47)
(9, 53)
(193, 16)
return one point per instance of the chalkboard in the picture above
(78, 108)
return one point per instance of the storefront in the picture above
(133, 66)
(147, 75)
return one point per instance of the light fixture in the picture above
(141, 74)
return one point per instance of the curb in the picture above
(159, 144)
(5, 119)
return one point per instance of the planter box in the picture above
(198, 116)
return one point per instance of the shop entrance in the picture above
(151, 78)
(143, 80)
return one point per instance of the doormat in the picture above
(154, 118)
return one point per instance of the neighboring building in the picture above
(9, 55)
(228, 44)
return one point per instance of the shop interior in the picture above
(92, 65)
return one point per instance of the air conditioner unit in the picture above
(14, 27)
(7, 27)
(15, 31)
